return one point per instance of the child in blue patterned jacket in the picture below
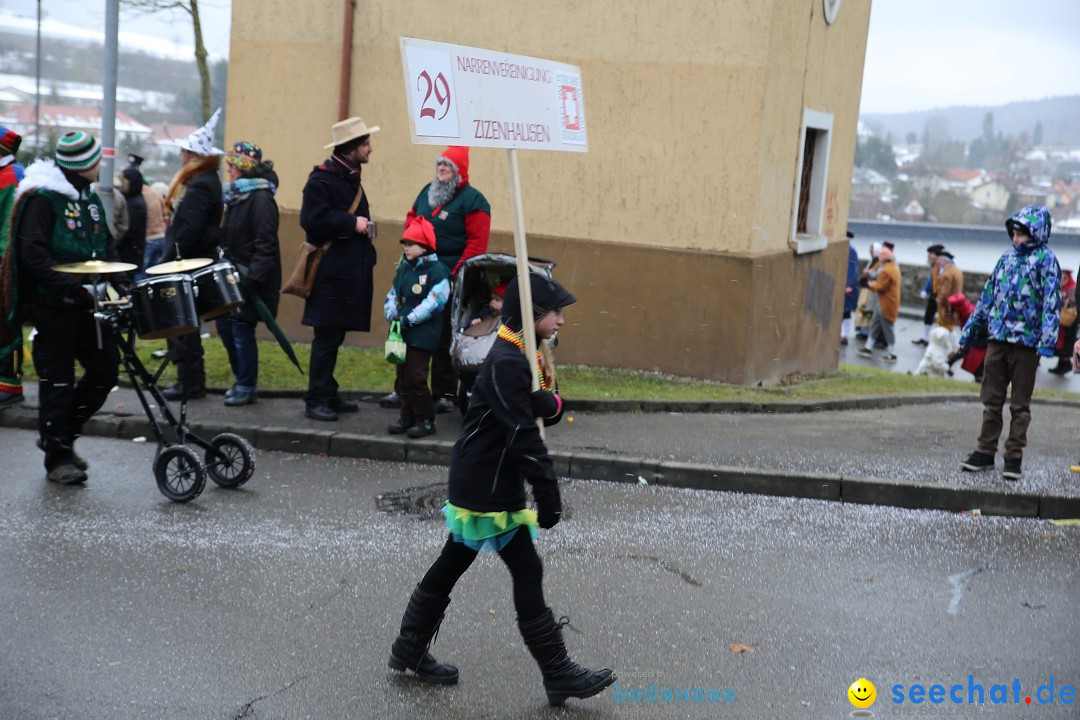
(1019, 309)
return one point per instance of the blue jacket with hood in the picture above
(1021, 302)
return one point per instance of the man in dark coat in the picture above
(335, 210)
(133, 245)
(193, 232)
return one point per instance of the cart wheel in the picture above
(231, 462)
(180, 473)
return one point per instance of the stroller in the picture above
(470, 344)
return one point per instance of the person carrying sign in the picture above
(500, 447)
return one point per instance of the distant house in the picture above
(965, 180)
(931, 184)
(162, 136)
(62, 118)
(991, 195)
(912, 212)
(868, 180)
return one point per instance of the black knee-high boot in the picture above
(563, 678)
(419, 625)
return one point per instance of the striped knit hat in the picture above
(77, 150)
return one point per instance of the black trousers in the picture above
(186, 352)
(931, 311)
(322, 387)
(412, 385)
(526, 571)
(443, 376)
(63, 337)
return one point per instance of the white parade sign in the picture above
(460, 95)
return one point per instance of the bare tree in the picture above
(191, 7)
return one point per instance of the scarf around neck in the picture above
(240, 189)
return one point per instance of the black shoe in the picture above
(341, 406)
(843, 341)
(10, 398)
(889, 357)
(444, 405)
(66, 474)
(76, 459)
(920, 341)
(563, 678)
(422, 428)
(320, 412)
(1012, 470)
(864, 352)
(399, 426)
(390, 401)
(238, 398)
(419, 625)
(1062, 368)
(977, 461)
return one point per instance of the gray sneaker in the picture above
(865, 353)
(889, 358)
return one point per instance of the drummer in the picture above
(59, 219)
(195, 200)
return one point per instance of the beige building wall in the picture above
(674, 228)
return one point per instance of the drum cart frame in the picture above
(180, 472)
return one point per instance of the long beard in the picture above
(440, 193)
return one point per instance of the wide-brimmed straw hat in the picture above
(349, 129)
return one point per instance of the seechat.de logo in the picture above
(862, 695)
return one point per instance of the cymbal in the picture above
(175, 266)
(94, 267)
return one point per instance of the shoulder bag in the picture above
(302, 277)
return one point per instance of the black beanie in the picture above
(547, 295)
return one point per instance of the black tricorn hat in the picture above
(547, 295)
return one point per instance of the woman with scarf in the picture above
(250, 242)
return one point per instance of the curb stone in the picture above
(598, 466)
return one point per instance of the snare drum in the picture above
(217, 290)
(164, 307)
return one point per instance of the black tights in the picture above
(521, 560)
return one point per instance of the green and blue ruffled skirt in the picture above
(487, 531)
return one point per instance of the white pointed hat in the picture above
(201, 142)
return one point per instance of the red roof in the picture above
(73, 116)
(962, 175)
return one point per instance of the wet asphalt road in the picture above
(280, 600)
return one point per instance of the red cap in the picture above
(500, 289)
(459, 155)
(421, 232)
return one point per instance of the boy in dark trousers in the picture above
(420, 291)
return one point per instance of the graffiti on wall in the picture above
(832, 212)
(819, 296)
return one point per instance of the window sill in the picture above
(803, 244)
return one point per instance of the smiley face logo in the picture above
(862, 693)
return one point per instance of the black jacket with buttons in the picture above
(500, 447)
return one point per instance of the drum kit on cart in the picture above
(178, 297)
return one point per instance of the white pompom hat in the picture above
(201, 142)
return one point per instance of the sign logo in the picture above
(862, 695)
(571, 108)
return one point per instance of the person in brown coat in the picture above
(887, 287)
(950, 280)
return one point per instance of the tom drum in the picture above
(217, 290)
(164, 307)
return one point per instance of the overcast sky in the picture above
(920, 54)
